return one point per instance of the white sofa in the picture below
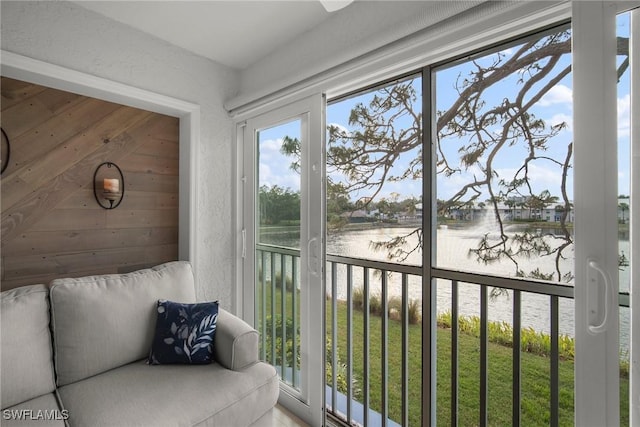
(74, 353)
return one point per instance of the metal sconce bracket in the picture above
(115, 198)
(5, 160)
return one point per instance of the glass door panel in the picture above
(629, 234)
(504, 161)
(374, 245)
(277, 249)
(283, 247)
(623, 65)
(504, 213)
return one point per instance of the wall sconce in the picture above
(6, 151)
(112, 189)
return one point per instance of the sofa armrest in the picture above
(236, 342)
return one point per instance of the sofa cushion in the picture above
(184, 333)
(27, 360)
(103, 322)
(172, 395)
(42, 411)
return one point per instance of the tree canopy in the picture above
(470, 134)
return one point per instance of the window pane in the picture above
(624, 201)
(504, 147)
(374, 173)
(277, 249)
(374, 212)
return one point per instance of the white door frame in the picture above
(597, 390)
(309, 403)
(634, 52)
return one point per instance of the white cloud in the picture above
(624, 116)
(274, 168)
(270, 149)
(448, 186)
(540, 176)
(341, 128)
(556, 119)
(282, 177)
(559, 94)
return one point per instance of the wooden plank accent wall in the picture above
(52, 226)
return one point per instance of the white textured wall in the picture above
(68, 35)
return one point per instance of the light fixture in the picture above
(6, 151)
(112, 189)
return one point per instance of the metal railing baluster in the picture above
(517, 328)
(365, 346)
(384, 348)
(283, 314)
(334, 336)
(405, 349)
(294, 311)
(484, 356)
(263, 291)
(555, 359)
(273, 311)
(454, 353)
(349, 341)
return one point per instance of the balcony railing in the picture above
(364, 312)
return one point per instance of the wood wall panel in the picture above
(51, 225)
(15, 91)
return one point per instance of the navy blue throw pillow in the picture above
(184, 333)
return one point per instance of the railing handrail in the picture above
(278, 256)
(278, 249)
(510, 283)
(376, 265)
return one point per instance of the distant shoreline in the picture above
(456, 225)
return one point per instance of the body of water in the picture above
(452, 253)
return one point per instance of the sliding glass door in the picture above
(478, 219)
(283, 248)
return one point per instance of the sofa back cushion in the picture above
(103, 322)
(27, 359)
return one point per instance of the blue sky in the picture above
(553, 108)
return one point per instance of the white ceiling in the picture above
(234, 33)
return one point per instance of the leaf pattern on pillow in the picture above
(184, 333)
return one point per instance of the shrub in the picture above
(358, 299)
(415, 312)
(341, 373)
(341, 367)
(394, 306)
(288, 281)
(531, 341)
(375, 305)
(278, 343)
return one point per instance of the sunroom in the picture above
(426, 209)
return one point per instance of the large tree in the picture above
(482, 128)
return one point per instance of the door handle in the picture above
(244, 243)
(594, 306)
(312, 260)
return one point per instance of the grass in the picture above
(535, 370)
(535, 374)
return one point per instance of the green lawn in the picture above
(534, 374)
